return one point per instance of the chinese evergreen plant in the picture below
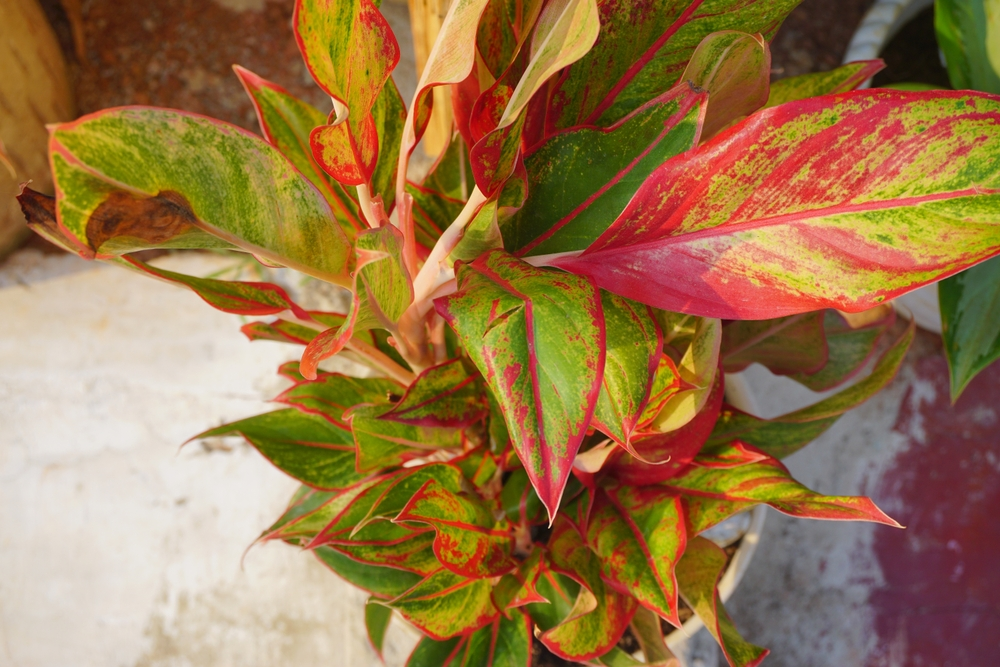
(627, 211)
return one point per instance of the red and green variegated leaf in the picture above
(286, 122)
(785, 345)
(305, 501)
(503, 29)
(599, 615)
(666, 384)
(519, 500)
(642, 51)
(518, 588)
(382, 543)
(584, 177)
(634, 347)
(302, 525)
(280, 331)
(469, 541)
(382, 443)
(698, 369)
(432, 653)
(444, 395)
(504, 643)
(735, 68)
(241, 298)
(560, 593)
(848, 348)
(638, 554)
(537, 337)
(377, 617)
(478, 466)
(648, 632)
(970, 322)
(662, 455)
(841, 201)
(332, 394)
(390, 117)
(382, 292)
(767, 481)
(350, 51)
(788, 433)
(309, 448)
(135, 177)
(382, 582)
(483, 233)
(446, 604)
(388, 501)
(841, 80)
(698, 575)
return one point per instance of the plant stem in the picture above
(433, 274)
(365, 204)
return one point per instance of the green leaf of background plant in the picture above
(135, 177)
(968, 33)
(970, 318)
(309, 448)
(537, 337)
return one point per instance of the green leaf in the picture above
(735, 69)
(305, 501)
(519, 588)
(537, 337)
(446, 604)
(382, 292)
(648, 632)
(377, 617)
(698, 575)
(286, 122)
(788, 433)
(519, 500)
(849, 348)
(634, 348)
(583, 178)
(840, 80)
(390, 117)
(382, 582)
(332, 394)
(469, 541)
(786, 345)
(134, 178)
(302, 523)
(504, 643)
(970, 319)
(968, 32)
(382, 543)
(281, 331)
(432, 653)
(714, 492)
(382, 443)
(503, 29)
(432, 213)
(446, 395)
(309, 448)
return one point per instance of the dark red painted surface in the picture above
(940, 606)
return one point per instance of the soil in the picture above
(912, 56)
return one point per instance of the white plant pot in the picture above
(878, 27)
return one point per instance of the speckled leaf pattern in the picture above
(135, 177)
(350, 51)
(766, 481)
(446, 604)
(286, 122)
(332, 394)
(383, 443)
(843, 201)
(643, 49)
(307, 447)
(698, 575)
(970, 318)
(469, 541)
(537, 337)
(633, 352)
(382, 292)
(385, 544)
(582, 178)
(840, 80)
(735, 69)
(786, 345)
(443, 395)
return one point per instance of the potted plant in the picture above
(627, 210)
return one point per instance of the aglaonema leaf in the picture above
(638, 536)
(581, 178)
(134, 178)
(332, 394)
(382, 292)
(383, 443)
(446, 604)
(377, 617)
(309, 448)
(713, 492)
(634, 349)
(383, 544)
(840, 80)
(518, 588)
(784, 435)
(350, 51)
(735, 69)
(830, 216)
(970, 322)
(504, 643)
(640, 53)
(697, 369)
(445, 395)
(286, 122)
(967, 32)
(470, 541)
(382, 582)
(503, 29)
(433, 653)
(848, 348)
(537, 337)
(698, 575)
(786, 345)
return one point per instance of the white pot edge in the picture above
(880, 24)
